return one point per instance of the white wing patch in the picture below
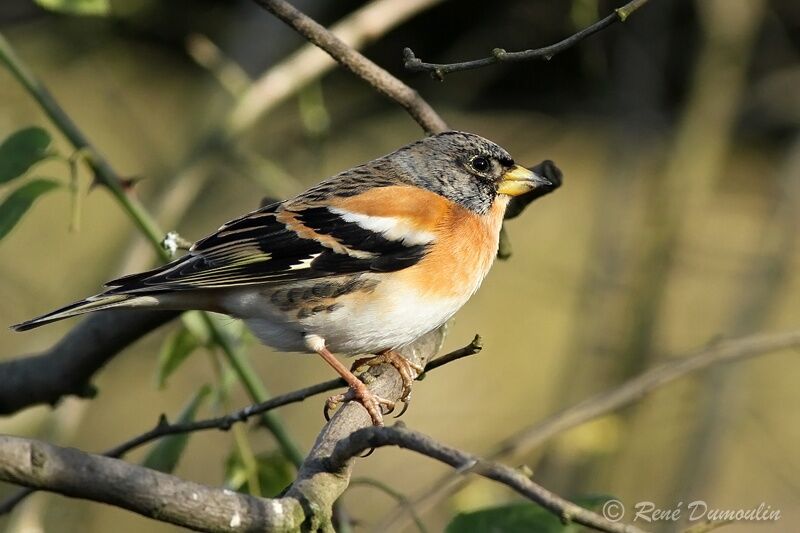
(392, 228)
(305, 263)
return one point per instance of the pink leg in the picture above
(358, 391)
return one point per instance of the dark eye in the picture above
(480, 163)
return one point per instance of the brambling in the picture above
(365, 262)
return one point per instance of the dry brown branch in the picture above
(439, 70)
(309, 62)
(354, 61)
(526, 439)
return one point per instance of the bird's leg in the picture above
(358, 391)
(408, 370)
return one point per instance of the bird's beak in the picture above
(519, 180)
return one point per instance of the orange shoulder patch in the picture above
(421, 209)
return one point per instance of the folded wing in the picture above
(277, 244)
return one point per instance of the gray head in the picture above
(463, 167)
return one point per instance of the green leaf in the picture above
(77, 7)
(21, 150)
(275, 473)
(518, 518)
(165, 455)
(18, 202)
(176, 349)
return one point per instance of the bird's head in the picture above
(465, 168)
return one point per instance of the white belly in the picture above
(390, 317)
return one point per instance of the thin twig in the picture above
(378, 77)
(439, 70)
(103, 172)
(163, 428)
(475, 346)
(375, 437)
(399, 497)
(526, 439)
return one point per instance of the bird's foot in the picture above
(373, 403)
(408, 371)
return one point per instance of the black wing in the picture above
(261, 248)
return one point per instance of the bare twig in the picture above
(164, 428)
(399, 497)
(475, 346)
(439, 70)
(373, 437)
(354, 61)
(526, 439)
(309, 62)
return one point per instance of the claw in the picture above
(331, 404)
(408, 370)
(373, 403)
(406, 403)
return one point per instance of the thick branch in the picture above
(438, 70)
(69, 365)
(147, 492)
(354, 61)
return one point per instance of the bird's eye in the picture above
(480, 163)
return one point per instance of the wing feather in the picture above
(262, 248)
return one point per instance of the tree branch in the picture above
(163, 428)
(309, 62)
(526, 439)
(428, 344)
(374, 437)
(439, 70)
(147, 492)
(67, 367)
(307, 503)
(355, 62)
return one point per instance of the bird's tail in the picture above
(92, 303)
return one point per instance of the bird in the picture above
(363, 263)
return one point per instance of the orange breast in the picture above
(464, 251)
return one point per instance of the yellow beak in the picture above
(519, 180)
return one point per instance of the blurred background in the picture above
(678, 136)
